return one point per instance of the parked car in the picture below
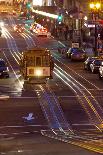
(4, 71)
(69, 52)
(94, 66)
(76, 54)
(101, 71)
(88, 61)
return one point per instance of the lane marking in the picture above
(4, 97)
(61, 43)
(23, 126)
(31, 97)
(18, 133)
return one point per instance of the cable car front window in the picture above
(30, 61)
(38, 61)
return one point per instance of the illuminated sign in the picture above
(38, 2)
(45, 14)
(91, 25)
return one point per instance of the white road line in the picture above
(14, 57)
(4, 97)
(61, 43)
(21, 97)
(17, 55)
(22, 126)
(88, 124)
(18, 133)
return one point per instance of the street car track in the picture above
(88, 101)
(91, 108)
(74, 72)
(52, 110)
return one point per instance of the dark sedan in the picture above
(3, 69)
(76, 54)
(69, 52)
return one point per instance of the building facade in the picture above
(7, 1)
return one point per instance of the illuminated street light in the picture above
(45, 14)
(95, 8)
(92, 5)
(95, 5)
(98, 5)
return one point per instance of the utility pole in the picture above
(95, 8)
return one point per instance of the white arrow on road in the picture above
(29, 117)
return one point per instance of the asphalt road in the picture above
(73, 90)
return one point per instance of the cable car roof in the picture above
(37, 51)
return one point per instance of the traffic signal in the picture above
(28, 5)
(60, 18)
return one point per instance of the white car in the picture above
(42, 32)
(101, 71)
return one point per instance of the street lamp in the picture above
(95, 8)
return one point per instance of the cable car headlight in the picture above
(1, 24)
(38, 72)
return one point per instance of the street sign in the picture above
(75, 45)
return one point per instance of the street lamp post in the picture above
(95, 8)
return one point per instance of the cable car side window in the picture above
(30, 61)
(46, 60)
(38, 61)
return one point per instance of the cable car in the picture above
(36, 65)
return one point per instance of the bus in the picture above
(36, 65)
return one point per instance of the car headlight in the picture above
(38, 72)
(7, 70)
